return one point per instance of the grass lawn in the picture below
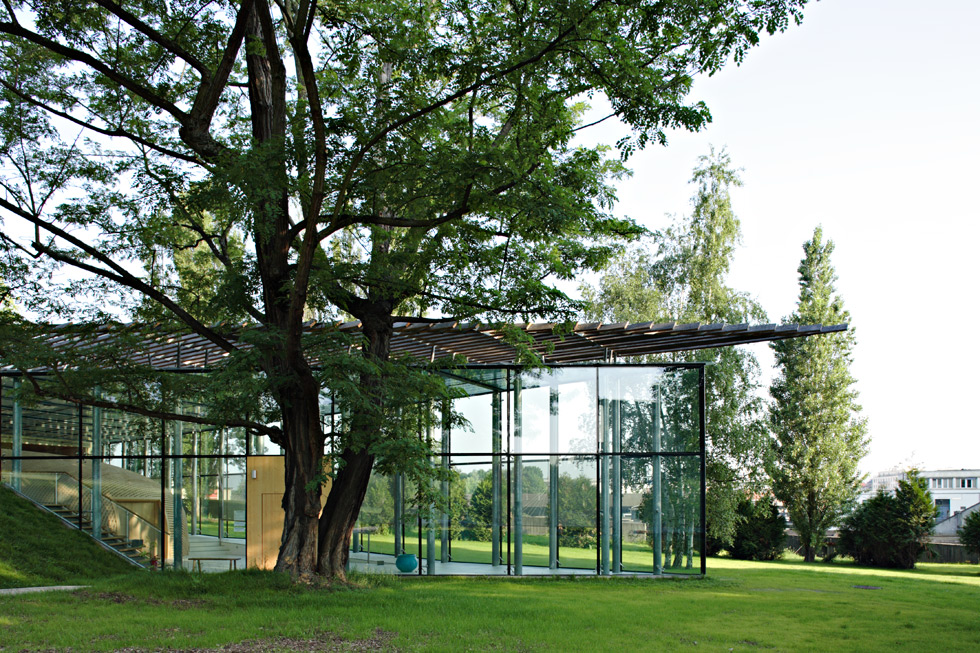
(741, 606)
(36, 548)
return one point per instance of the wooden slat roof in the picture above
(478, 343)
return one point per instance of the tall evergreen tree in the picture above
(819, 435)
(680, 274)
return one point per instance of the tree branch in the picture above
(73, 54)
(258, 427)
(167, 43)
(115, 273)
(195, 129)
(118, 132)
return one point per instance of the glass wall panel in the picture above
(37, 427)
(650, 409)
(476, 435)
(663, 517)
(376, 525)
(262, 445)
(559, 413)
(577, 510)
(473, 538)
(233, 511)
(530, 533)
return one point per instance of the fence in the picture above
(935, 551)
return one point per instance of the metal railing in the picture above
(60, 489)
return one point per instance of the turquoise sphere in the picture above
(406, 562)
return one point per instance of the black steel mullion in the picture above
(81, 418)
(163, 492)
(702, 418)
(509, 438)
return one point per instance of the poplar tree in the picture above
(819, 435)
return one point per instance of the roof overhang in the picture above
(478, 343)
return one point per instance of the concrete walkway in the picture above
(31, 590)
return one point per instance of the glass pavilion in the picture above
(578, 468)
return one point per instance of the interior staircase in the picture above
(126, 548)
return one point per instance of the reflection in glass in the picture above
(577, 469)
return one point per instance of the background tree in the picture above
(375, 159)
(576, 512)
(679, 274)
(889, 530)
(969, 533)
(819, 436)
(761, 533)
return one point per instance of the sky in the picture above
(863, 120)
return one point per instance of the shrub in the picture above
(889, 530)
(970, 532)
(760, 532)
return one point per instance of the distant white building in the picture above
(953, 490)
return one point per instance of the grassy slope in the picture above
(784, 606)
(37, 549)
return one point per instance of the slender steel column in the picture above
(18, 443)
(195, 474)
(497, 418)
(553, 480)
(617, 487)
(97, 470)
(518, 482)
(397, 491)
(221, 485)
(430, 531)
(702, 426)
(605, 461)
(444, 535)
(178, 491)
(656, 516)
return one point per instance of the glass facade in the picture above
(584, 469)
(162, 493)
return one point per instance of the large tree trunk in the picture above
(303, 440)
(350, 484)
(340, 514)
(296, 389)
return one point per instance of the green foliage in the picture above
(969, 533)
(819, 436)
(889, 530)
(761, 533)
(576, 512)
(481, 510)
(679, 274)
